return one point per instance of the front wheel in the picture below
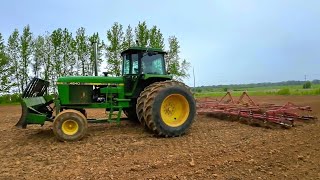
(70, 125)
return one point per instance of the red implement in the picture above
(245, 109)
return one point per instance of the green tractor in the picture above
(145, 92)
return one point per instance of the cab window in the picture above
(130, 64)
(153, 64)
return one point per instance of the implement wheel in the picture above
(70, 125)
(169, 108)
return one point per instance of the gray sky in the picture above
(226, 41)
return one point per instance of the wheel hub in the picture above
(70, 127)
(175, 110)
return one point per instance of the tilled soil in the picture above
(212, 149)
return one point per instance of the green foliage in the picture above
(82, 51)
(56, 41)
(47, 61)
(142, 34)
(115, 37)
(174, 65)
(284, 91)
(13, 51)
(317, 91)
(38, 55)
(128, 40)
(10, 98)
(25, 54)
(5, 69)
(307, 85)
(156, 39)
(100, 46)
(197, 90)
(60, 53)
(68, 50)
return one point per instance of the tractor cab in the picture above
(141, 67)
(137, 60)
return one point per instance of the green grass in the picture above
(264, 91)
(9, 104)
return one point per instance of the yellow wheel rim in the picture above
(70, 127)
(175, 110)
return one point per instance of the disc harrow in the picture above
(247, 111)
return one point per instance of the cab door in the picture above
(130, 71)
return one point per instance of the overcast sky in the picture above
(226, 41)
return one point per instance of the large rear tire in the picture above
(70, 125)
(140, 105)
(169, 108)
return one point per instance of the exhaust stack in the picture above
(95, 52)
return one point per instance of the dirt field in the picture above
(212, 149)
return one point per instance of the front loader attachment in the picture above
(35, 108)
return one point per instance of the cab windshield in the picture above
(152, 64)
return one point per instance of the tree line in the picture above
(63, 53)
(304, 85)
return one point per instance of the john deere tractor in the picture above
(145, 92)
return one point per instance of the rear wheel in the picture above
(70, 125)
(140, 104)
(169, 108)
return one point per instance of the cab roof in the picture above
(142, 49)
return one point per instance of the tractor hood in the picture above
(92, 80)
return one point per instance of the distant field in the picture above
(261, 91)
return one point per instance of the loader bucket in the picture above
(35, 108)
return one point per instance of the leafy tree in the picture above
(13, 51)
(184, 66)
(56, 63)
(156, 39)
(142, 34)
(115, 37)
(100, 46)
(48, 53)
(25, 53)
(56, 40)
(58, 53)
(128, 40)
(68, 45)
(174, 64)
(307, 85)
(5, 68)
(38, 55)
(82, 50)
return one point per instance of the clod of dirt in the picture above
(192, 164)
(214, 175)
(300, 157)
